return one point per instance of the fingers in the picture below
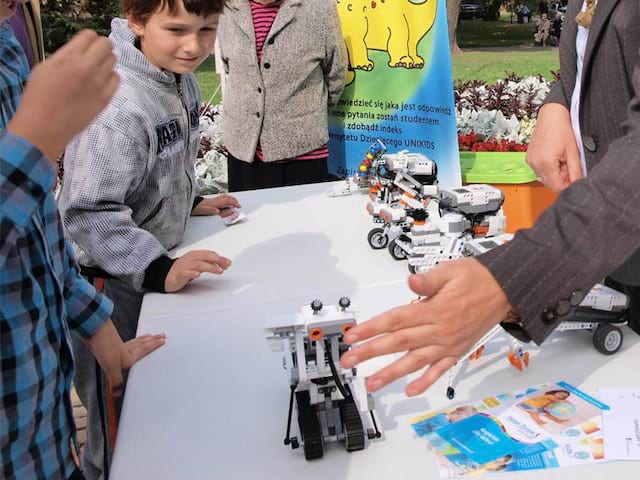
(189, 267)
(412, 361)
(574, 165)
(209, 257)
(398, 341)
(427, 284)
(430, 376)
(226, 200)
(405, 316)
(208, 267)
(555, 179)
(99, 52)
(78, 44)
(141, 346)
(206, 210)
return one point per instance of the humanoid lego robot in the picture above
(327, 409)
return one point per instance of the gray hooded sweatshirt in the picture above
(129, 184)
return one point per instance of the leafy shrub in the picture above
(61, 19)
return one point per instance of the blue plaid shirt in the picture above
(42, 295)
(13, 74)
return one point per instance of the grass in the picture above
(508, 49)
(209, 81)
(490, 66)
(477, 33)
(484, 65)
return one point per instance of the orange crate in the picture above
(525, 197)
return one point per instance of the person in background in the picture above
(27, 26)
(42, 294)
(542, 31)
(285, 65)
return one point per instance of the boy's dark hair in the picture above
(141, 10)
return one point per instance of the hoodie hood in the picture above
(130, 57)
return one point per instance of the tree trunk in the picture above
(453, 9)
(493, 11)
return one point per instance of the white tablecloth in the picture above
(212, 403)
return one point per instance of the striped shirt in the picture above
(42, 295)
(263, 18)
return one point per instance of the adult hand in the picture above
(189, 267)
(553, 154)
(463, 302)
(114, 356)
(220, 205)
(66, 92)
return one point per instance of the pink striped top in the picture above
(263, 18)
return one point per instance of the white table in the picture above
(212, 403)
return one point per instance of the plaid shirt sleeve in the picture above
(86, 308)
(27, 178)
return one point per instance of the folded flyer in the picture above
(579, 445)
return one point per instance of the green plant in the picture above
(63, 18)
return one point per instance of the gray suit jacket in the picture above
(284, 100)
(593, 229)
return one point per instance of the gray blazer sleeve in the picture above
(335, 63)
(593, 227)
(557, 94)
(106, 166)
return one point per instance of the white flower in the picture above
(211, 165)
(492, 124)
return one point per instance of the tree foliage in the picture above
(63, 18)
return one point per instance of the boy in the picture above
(129, 184)
(42, 294)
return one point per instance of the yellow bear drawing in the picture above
(392, 26)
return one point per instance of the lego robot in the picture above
(323, 391)
(406, 182)
(602, 312)
(439, 234)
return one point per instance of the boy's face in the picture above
(8, 8)
(177, 42)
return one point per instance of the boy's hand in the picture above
(553, 154)
(220, 205)
(189, 267)
(66, 92)
(114, 356)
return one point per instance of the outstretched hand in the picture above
(130, 353)
(463, 302)
(114, 356)
(191, 265)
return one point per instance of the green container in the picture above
(495, 168)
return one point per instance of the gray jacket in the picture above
(284, 101)
(593, 229)
(129, 184)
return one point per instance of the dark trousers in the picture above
(77, 475)
(103, 411)
(257, 174)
